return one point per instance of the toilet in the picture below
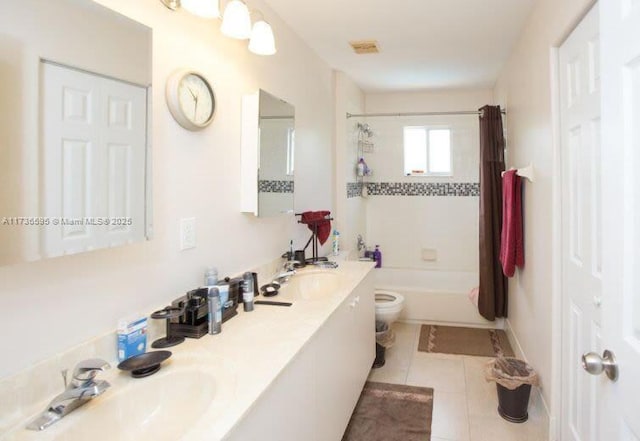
(389, 304)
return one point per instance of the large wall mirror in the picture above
(268, 135)
(75, 82)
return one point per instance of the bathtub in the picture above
(433, 296)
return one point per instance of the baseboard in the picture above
(537, 398)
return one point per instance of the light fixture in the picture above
(236, 22)
(262, 41)
(202, 8)
(171, 4)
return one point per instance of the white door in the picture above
(581, 226)
(94, 161)
(620, 39)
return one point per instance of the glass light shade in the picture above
(236, 22)
(262, 41)
(202, 8)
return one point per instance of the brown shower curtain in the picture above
(492, 299)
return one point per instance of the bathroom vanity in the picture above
(314, 396)
(292, 373)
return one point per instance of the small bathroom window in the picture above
(427, 151)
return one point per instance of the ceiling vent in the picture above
(365, 47)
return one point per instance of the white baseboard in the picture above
(537, 398)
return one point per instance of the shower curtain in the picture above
(492, 299)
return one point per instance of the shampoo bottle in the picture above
(361, 167)
(377, 256)
(336, 242)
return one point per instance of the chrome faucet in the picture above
(361, 245)
(288, 270)
(79, 391)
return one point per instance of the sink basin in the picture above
(313, 284)
(166, 406)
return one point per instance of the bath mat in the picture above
(464, 341)
(391, 412)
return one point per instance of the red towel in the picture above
(318, 218)
(511, 243)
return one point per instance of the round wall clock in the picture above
(190, 99)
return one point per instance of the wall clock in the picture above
(190, 99)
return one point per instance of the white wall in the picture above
(350, 212)
(405, 225)
(54, 304)
(524, 88)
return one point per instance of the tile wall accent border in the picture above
(267, 186)
(464, 189)
(354, 189)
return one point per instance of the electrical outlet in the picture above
(187, 233)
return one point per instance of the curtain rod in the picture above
(459, 112)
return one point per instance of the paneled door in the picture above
(581, 225)
(600, 129)
(620, 38)
(94, 144)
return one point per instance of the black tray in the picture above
(145, 364)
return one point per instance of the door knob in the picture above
(595, 365)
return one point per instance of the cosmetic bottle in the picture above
(247, 291)
(211, 276)
(377, 256)
(360, 167)
(215, 311)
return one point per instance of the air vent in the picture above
(365, 47)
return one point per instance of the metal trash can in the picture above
(384, 339)
(514, 379)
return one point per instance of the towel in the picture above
(511, 241)
(318, 218)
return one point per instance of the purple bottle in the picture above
(377, 256)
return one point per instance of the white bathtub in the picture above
(433, 296)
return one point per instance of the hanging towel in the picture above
(318, 218)
(511, 243)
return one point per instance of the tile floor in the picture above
(464, 403)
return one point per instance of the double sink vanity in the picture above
(277, 373)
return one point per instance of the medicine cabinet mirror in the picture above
(268, 155)
(75, 82)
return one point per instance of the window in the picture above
(427, 151)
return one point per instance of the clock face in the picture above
(196, 99)
(190, 99)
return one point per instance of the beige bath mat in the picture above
(391, 412)
(464, 341)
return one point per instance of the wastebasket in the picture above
(514, 379)
(384, 339)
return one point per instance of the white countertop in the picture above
(253, 349)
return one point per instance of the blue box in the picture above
(132, 338)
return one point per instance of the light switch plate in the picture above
(187, 233)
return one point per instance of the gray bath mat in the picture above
(391, 412)
(464, 341)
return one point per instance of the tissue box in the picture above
(132, 338)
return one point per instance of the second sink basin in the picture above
(311, 284)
